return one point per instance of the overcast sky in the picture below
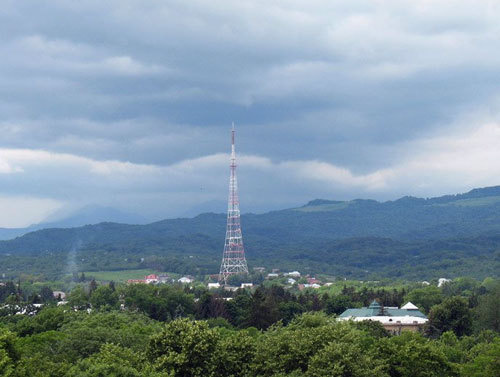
(129, 103)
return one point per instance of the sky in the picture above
(129, 103)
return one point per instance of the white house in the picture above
(442, 281)
(185, 280)
(246, 285)
(313, 285)
(213, 285)
(151, 279)
(294, 274)
(59, 294)
(163, 278)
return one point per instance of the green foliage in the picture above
(487, 312)
(290, 349)
(346, 358)
(184, 348)
(49, 318)
(425, 298)
(8, 353)
(485, 364)
(338, 304)
(411, 355)
(60, 342)
(453, 314)
(372, 328)
(158, 302)
(78, 298)
(362, 239)
(235, 354)
(41, 365)
(104, 297)
(113, 361)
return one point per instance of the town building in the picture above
(164, 278)
(313, 281)
(305, 286)
(213, 285)
(246, 285)
(443, 281)
(136, 281)
(59, 295)
(393, 319)
(185, 280)
(151, 279)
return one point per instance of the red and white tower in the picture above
(233, 259)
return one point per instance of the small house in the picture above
(185, 280)
(151, 279)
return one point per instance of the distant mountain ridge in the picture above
(450, 231)
(473, 213)
(91, 214)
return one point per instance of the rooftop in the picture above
(376, 310)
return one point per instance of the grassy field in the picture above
(118, 276)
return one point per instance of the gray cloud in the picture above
(338, 97)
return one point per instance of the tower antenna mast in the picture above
(233, 258)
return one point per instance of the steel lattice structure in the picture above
(233, 259)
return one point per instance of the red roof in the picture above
(135, 281)
(151, 277)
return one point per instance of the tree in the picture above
(8, 353)
(238, 308)
(235, 354)
(48, 319)
(453, 314)
(77, 298)
(184, 349)
(104, 297)
(46, 294)
(290, 349)
(346, 358)
(412, 355)
(6, 290)
(92, 286)
(263, 310)
(86, 333)
(113, 361)
(337, 304)
(158, 302)
(210, 306)
(425, 298)
(487, 311)
(373, 328)
(487, 363)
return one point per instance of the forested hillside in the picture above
(411, 237)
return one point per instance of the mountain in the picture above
(91, 214)
(448, 233)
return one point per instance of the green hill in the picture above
(412, 237)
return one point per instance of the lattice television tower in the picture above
(233, 259)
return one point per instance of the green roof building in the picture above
(394, 319)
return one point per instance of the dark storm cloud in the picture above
(332, 99)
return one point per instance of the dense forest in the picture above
(454, 235)
(165, 330)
